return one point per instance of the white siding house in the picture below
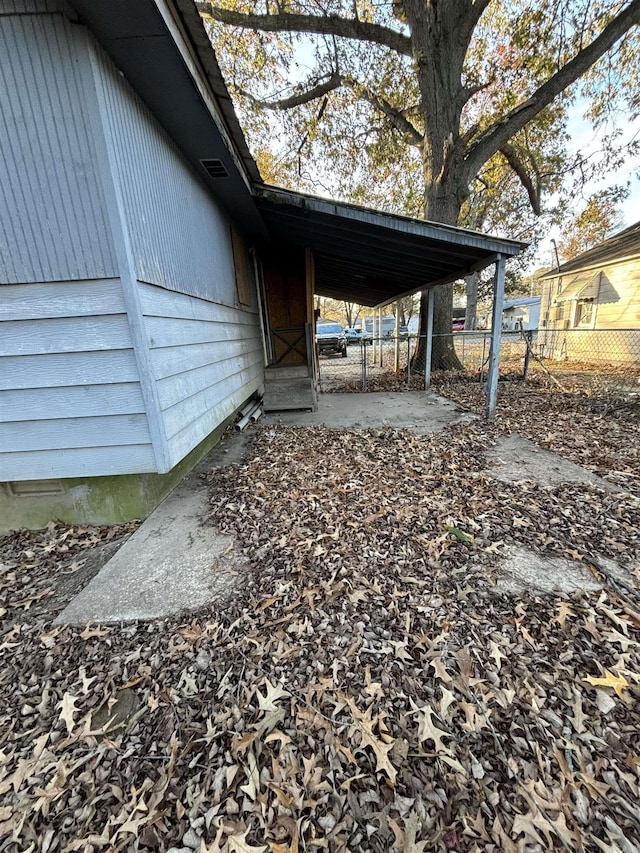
(123, 340)
(146, 271)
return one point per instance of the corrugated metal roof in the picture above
(373, 258)
(624, 244)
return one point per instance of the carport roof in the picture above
(372, 258)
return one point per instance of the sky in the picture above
(586, 140)
(583, 138)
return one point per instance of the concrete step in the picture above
(297, 371)
(285, 395)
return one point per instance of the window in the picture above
(584, 313)
(241, 264)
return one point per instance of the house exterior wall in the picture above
(206, 359)
(53, 219)
(123, 343)
(205, 354)
(521, 316)
(71, 402)
(613, 332)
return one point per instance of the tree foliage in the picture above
(453, 110)
(599, 219)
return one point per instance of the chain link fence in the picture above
(369, 363)
(602, 362)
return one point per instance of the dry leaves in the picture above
(368, 690)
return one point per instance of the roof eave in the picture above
(408, 225)
(571, 269)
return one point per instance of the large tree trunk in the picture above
(446, 208)
(471, 314)
(441, 206)
(439, 55)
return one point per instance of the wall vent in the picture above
(35, 488)
(215, 168)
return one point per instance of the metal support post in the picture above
(363, 356)
(429, 347)
(375, 336)
(380, 335)
(528, 340)
(491, 388)
(396, 332)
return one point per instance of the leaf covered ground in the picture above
(594, 426)
(367, 689)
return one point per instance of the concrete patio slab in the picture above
(525, 570)
(418, 411)
(175, 561)
(515, 459)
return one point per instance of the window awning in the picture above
(579, 288)
(373, 258)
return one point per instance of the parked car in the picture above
(353, 335)
(458, 325)
(403, 333)
(357, 336)
(330, 338)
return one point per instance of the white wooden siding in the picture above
(206, 359)
(180, 238)
(100, 204)
(78, 462)
(53, 223)
(71, 403)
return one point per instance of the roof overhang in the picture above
(163, 50)
(578, 288)
(373, 258)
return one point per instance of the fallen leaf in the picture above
(616, 682)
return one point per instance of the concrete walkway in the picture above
(176, 561)
(422, 413)
(515, 459)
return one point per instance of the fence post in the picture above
(374, 318)
(396, 331)
(408, 361)
(484, 349)
(528, 338)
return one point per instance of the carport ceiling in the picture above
(372, 258)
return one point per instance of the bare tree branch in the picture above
(495, 136)
(395, 116)
(334, 82)
(319, 24)
(511, 156)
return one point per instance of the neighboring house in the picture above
(385, 330)
(521, 313)
(150, 284)
(590, 308)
